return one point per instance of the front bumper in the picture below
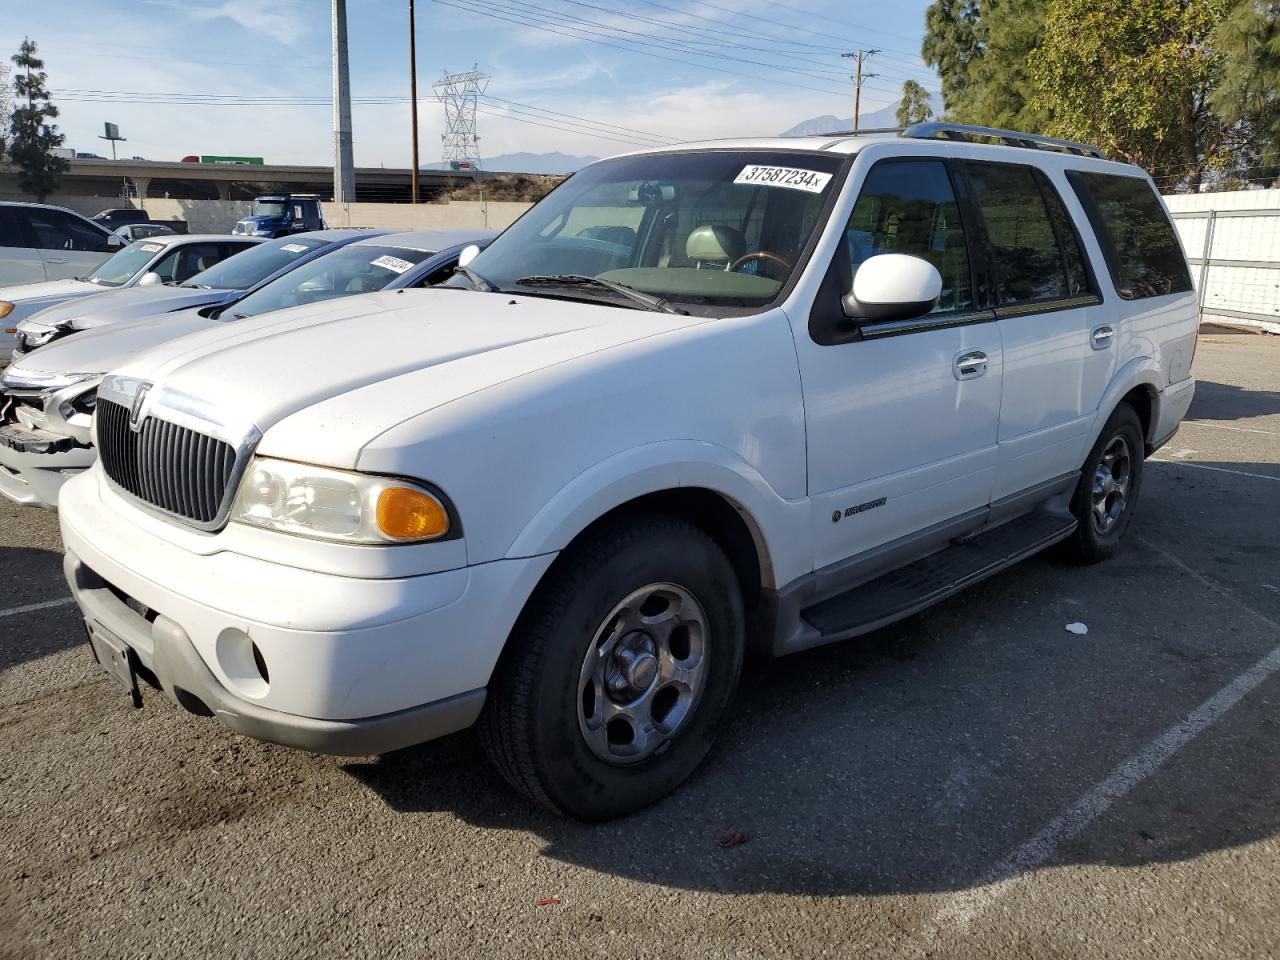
(330, 663)
(170, 662)
(34, 464)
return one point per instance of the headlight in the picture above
(6, 308)
(340, 505)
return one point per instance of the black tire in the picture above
(1091, 543)
(530, 727)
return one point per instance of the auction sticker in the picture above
(153, 247)
(295, 247)
(394, 264)
(793, 178)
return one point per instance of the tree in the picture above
(1135, 77)
(915, 105)
(980, 50)
(1249, 93)
(32, 138)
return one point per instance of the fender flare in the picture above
(1137, 372)
(774, 522)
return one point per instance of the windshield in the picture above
(269, 208)
(358, 268)
(716, 229)
(244, 270)
(125, 265)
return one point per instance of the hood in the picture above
(100, 351)
(261, 222)
(53, 290)
(119, 306)
(263, 369)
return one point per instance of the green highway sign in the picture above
(252, 161)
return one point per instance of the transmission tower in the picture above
(460, 93)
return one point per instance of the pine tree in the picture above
(32, 138)
(915, 105)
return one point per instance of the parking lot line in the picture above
(1223, 426)
(961, 910)
(45, 605)
(1205, 466)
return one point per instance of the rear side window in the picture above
(11, 229)
(908, 206)
(1037, 257)
(1142, 250)
(56, 230)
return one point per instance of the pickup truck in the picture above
(751, 394)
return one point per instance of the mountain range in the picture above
(828, 123)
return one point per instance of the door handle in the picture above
(970, 365)
(52, 260)
(1101, 337)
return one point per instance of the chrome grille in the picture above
(171, 467)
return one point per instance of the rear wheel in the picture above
(1110, 482)
(615, 680)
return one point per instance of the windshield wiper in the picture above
(477, 281)
(642, 300)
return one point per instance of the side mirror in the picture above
(468, 253)
(893, 286)
(115, 242)
(150, 279)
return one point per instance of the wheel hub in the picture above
(1111, 484)
(633, 666)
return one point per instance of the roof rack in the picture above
(960, 131)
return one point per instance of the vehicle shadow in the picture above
(1225, 401)
(31, 575)
(914, 759)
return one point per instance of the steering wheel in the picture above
(781, 261)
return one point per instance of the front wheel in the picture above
(1107, 492)
(616, 678)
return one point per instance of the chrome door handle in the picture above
(51, 260)
(970, 365)
(1101, 337)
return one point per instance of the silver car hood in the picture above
(119, 306)
(52, 290)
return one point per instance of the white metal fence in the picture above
(1232, 241)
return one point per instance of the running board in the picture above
(909, 589)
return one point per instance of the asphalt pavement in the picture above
(974, 781)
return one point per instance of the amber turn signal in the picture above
(408, 514)
(6, 308)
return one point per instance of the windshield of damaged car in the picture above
(246, 269)
(723, 228)
(124, 265)
(269, 208)
(358, 268)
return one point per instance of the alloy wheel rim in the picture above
(1111, 484)
(643, 673)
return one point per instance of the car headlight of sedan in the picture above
(340, 505)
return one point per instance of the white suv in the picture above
(768, 393)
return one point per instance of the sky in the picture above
(253, 77)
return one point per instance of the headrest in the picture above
(716, 243)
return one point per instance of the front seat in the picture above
(714, 245)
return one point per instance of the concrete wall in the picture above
(218, 216)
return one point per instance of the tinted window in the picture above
(188, 260)
(254, 265)
(56, 230)
(358, 268)
(1142, 250)
(1072, 255)
(10, 229)
(910, 207)
(1029, 264)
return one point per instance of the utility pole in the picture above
(859, 56)
(344, 174)
(413, 108)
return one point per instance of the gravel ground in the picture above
(975, 781)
